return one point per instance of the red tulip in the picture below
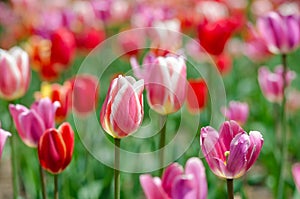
(89, 38)
(196, 95)
(55, 148)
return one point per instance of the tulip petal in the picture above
(152, 187)
(183, 188)
(296, 175)
(170, 174)
(256, 142)
(227, 132)
(3, 136)
(67, 134)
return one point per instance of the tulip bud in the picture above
(55, 148)
(237, 111)
(122, 111)
(15, 73)
(3, 136)
(196, 95)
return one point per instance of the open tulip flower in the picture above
(32, 123)
(55, 148)
(165, 81)
(237, 111)
(231, 152)
(15, 73)
(3, 136)
(122, 111)
(177, 183)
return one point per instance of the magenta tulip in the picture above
(3, 136)
(231, 152)
(15, 73)
(281, 33)
(237, 111)
(122, 111)
(296, 175)
(176, 183)
(32, 123)
(272, 84)
(165, 81)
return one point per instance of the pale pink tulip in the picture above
(3, 136)
(237, 111)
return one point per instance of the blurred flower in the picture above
(131, 42)
(55, 148)
(85, 90)
(231, 152)
(296, 175)
(223, 63)
(165, 81)
(89, 38)
(15, 73)
(122, 111)
(196, 95)
(281, 33)
(271, 84)
(60, 93)
(292, 101)
(32, 123)
(3, 136)
(176, 183)
(237, 111)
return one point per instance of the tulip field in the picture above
(171, 99)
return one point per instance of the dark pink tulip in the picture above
(3, 136)
(296, 175)
(15, 73)
(231, 152)
(271, 84)
(281, 33)
(32, 123)
(176, 183)
(237, 111)
(165, 81)
(123, 111)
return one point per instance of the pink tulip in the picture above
(165, 80)
(237, 111)
(281, 33)
(122, 111)
(271, 84)
(176, 183)
(3, 136)
(231, 152)
(32, 123)
(15, 73)
(296, 175)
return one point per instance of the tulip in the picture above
(85, 90)
(196, 95)
(15, 73)
(176, 183)
(3, 136)
(122, 111)
(32, 123)
(55, 148)
(296, 175)
(237, 111)
(165, 80)
(281, 33)
(231, 152)
(292, 101)
(272, 84)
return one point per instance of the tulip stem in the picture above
(14, 165)
(117, 168)
(56, 186)
(43, 183)
(162, 143)
(281, 179)
(230, 188)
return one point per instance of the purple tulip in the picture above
(231, 152)
(237, 111)
(281, 33)
(3, 136)
(296, 175)
(32, 123)
(271, 84)
(176, 183)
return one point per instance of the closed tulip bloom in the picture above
(15, 73)
(196, 95)
(3, 136)
(281, 33)
(32, 123)
(165, 81)
(122, 111)
(55, 148)
(177, 183)
(230, 152)
(272, 84)
(237, 111)
(296, 175)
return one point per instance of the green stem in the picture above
(117, 168)
(56, 186)
(162, 143)
(43, 182)
(280, 194)
(230, 188)
(14, 165)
